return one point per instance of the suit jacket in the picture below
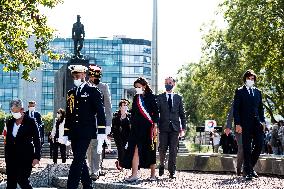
(247, 109)
(84, 112)
(26, 145)
(176, 116)
(37, 117)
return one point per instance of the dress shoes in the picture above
(249, 177)
(94, 177)
(161, 170)
(131, 179)
(172, 176)
(254, 174)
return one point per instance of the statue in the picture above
(78, 35)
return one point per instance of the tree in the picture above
(19, 20)
(48, 121)
(253, 39)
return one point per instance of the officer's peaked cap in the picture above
(77, 68)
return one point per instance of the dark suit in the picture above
(248, 113)
(83, 111)
(20, 151)
(169, 127)
(36, 115)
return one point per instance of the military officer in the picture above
(84, 110)
(95, 158)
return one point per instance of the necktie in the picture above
(32, 114)
(170, 102)
(250, 92)
(78, 91)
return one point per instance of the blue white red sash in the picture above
(142, 109)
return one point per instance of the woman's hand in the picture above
(35, 161)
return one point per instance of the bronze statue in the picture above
(78, 35)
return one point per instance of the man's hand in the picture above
(101, 138)
(239, 129)
(227, 131)
(181, 133)
(35, 161)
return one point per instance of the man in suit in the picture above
(249, 120)
(36, 115)
(84, 111)
(22, 147)
(172, 124)
(240, 155)
(95, 158)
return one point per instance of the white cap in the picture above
(77, 68)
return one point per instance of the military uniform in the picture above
(84, 109)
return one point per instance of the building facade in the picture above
(122, 59)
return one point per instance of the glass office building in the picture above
(123, 60)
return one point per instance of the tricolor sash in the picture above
(143, 111)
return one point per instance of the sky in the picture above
(179, 24)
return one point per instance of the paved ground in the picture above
(186, 180)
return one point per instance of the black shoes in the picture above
(254, 174)
(248, 177)
(161, 170)
(172, 176)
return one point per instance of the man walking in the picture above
(249, 120)
(84, 110)
(172, 123)
(95, 158)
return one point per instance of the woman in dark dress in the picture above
(141, 146)
(22, 148)
(121, 130)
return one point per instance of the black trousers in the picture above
(252, 144)
(120, 144)
(18, 173)
(168, 139)
(62, 151)
(79, 169)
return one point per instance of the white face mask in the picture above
(58, 115)
(139, 90)
(77, 82)
(17, 115)
(32, 109)
(249, 83)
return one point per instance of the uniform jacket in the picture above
(247, 108)
(26, 145)
(84, 112)
(37, 117)
(103, 87)
(176, 116)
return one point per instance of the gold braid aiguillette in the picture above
(70, 100)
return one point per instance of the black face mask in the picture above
(96, 81)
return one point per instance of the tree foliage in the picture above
(253, 39)
(48, 121)
(19, 20)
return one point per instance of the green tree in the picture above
(48, 121)
(19, 20)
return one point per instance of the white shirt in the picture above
(172, 96)
(15, 129)
(31, 114)
(252, 89)
(81, 87)
(216, 139)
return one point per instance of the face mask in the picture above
(168, 87)
(16, 115)
(139, 90)
(31, 109)
(249, 83)
(77, 82)
(58, 115)
(96, 81)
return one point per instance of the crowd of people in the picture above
(86, 126)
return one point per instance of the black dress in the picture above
(120, 132)
(141, 132)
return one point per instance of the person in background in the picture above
(216, 140)
(22, 148)
(141, 146)
(58, 138)
(281, 134)
(95, 159)
(172, 125)
(37, 116)
(275, 140)
(121, 130)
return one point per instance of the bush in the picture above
(48, 122)
(2, 120)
